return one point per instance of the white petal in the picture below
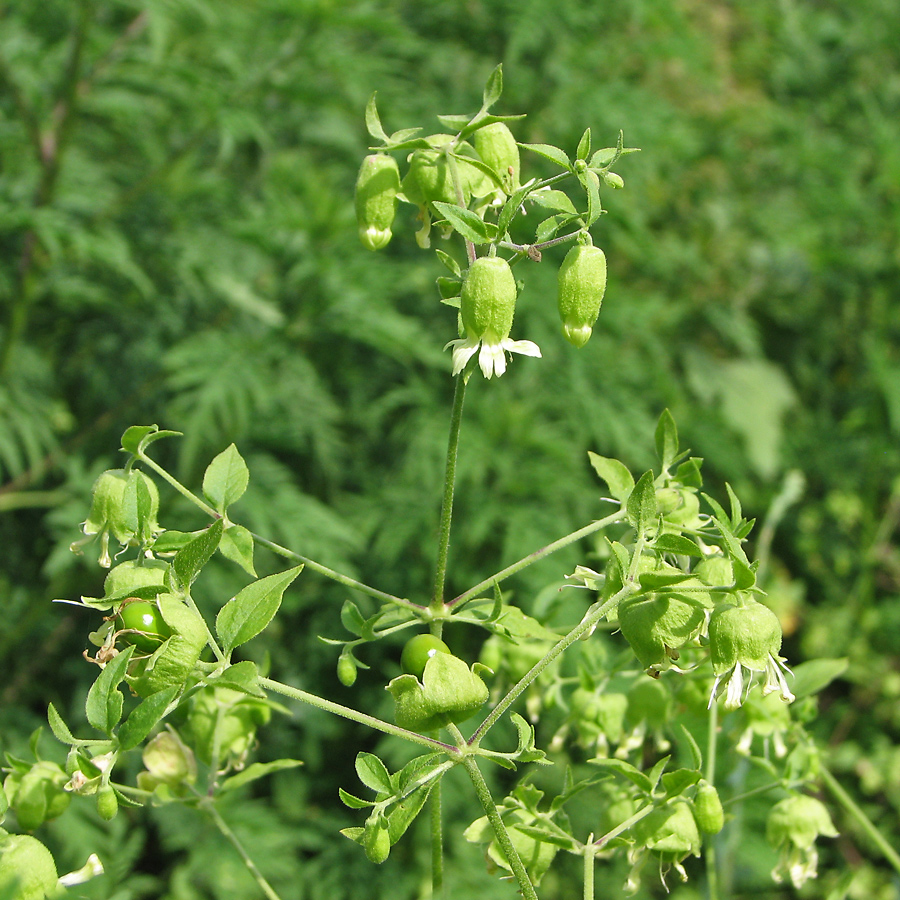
(463, 351)
(492, 359)
(734, 690)
(526, 348)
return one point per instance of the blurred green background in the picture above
(177, 246)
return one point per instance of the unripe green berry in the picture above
(377, 841)
(488, 298)
(376, 199)
(346, 670)
(107, 803)
(582, 283)
(497, 148)
(708, 809)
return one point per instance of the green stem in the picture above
(536, 556)
(868, 826)
(209, 808)
(588, 851)
(440, 574)
(709, 859)
(277, 548)
(338, 710)
(337, 576)
(437, 842)
(584, 626)
(503, 839)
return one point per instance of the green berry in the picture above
(582, 283)
(418, 651)
(141, 623)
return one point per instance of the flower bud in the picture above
(376, 199)
(107, 803)
(582, 283)
(708, 809)
(488, 298)
(377, 840)
(346, 670)
(497, 148)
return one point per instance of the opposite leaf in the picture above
(226, 479)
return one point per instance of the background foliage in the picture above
(177, 245)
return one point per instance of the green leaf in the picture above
(242, 676)
(353, 802)
(617, 477)
(373, 121)
(404, 812)
(138, 437)
(548, 151)
(675, 783)
(193, 556)
(246, 615)
(237, 545)
(693, 746)
(584, 145)
(810, 677)
(735, 507)
(493, 89)
(591, 183)
(352, 619)
(454, 123)
(641, 506)
(103, 705)
(550, 199)
(255, 771)
(688, 473)
(511, 207)
(666, 440)
(450, 263)
(144, 716)
(58, 726)
(677, 543)
(626, 769)
(467, 223)
(373, 773)
(226, 479)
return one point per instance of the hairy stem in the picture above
(440, 574)
(877, 838)
(537, 555)
(503, 839)
(210, 809)
(346, 712)
(583, 627)
(437, 843)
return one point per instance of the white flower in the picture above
(492, 357)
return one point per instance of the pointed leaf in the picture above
(237, 545)
(58, 726)
(548, 151)
(449, 262)
(584, 145)
(735, 506)
(137, 438)
(810, 677)
(373, 121)
(666, 440)
(373, 773)
(226, 479)
(617, 477)
(193, 556)
(493, 89)
(641, 506)
(353, 802)
(696, 755)
(467, 223)
(145, 716)
(404, 812)
(103, 705)
(246, 615)
(675, 783)
(352, 619)
(454, 123)
(677, 543)
(557, 200)
(634, 775)
(242, 676)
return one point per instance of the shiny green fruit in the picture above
(142, 625)
(418, 651)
